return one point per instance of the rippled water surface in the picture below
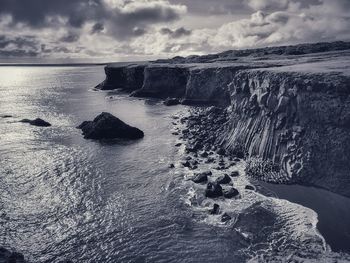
(63, 197)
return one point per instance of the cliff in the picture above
(289, 107)
(298, 122)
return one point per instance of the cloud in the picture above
(134, 29)
(327, 21)
(18, 46)
(120, 16)
(177, 33)
(97, 28)
(268, 4)
(70, 38)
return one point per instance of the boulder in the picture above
(171, 102)
(225, 217)
(214, 210)
(235, 174)
(230, 193)
(224, 179)
(250, 187)
(36, 122)
(107, 126)
(200, 178)
(213, 190)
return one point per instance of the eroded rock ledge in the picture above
(288, 107)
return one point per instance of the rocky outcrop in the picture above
(37, 122)
(127, 77)
(107, 126)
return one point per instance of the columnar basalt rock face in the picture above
(164, 81)
(209, 86)
(294, 127)
(126, 77)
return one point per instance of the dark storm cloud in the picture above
(70, 38)
(26, 46)
(36, 12)
(121, 18)
(97, 28)
(139, 31)
(180, 32)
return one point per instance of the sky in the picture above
(133, 30)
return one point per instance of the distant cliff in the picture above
(289, 106)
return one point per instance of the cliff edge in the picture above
(288, 107)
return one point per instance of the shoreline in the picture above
(309, 197)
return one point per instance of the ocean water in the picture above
(64, 197)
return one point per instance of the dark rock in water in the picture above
(232, 192)
(213, 190)
(200, 178)
(221, 151)
(7, 256)
(178, 144)
(6, 116)
(235, 174)
(16, 257)
(186, 164)
(214, 210)
(250, 187)
(175, 133)
(36, 122)
(237, 160)
(225, 217)
(204, 154)
(171, 165)
(171, 102)
(224, 179)
(208, 173)
(107, 126)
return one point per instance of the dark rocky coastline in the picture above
(286, 110)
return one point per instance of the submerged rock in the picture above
(171, 102)
(225, 217)
(213, 190)
(6, 116)
(7, 256)
(250, 187)
(36, 122)
(235, 174)
(107, 126)
(232, 192)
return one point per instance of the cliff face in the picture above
(289, 114)
(163, 81)
(294, 127)
(127, 77)
(209, 86)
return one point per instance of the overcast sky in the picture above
(120, 30)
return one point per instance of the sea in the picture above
(63, 197)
